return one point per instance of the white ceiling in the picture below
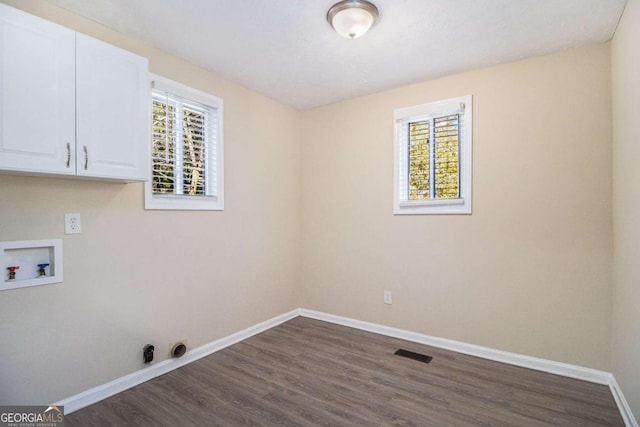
(286, 50)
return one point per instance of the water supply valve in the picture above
(12, 271)
(41, 271)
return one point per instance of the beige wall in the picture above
(136, 276)
(626, 204)
(530, 270)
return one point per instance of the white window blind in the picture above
(186, 144)
(433, 158)
(430, 157)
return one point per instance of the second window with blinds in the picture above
(186, 148)
(432, 159)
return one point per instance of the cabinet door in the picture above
(112, 112)
(37, 94)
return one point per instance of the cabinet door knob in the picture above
(68, 155)
(86, 157)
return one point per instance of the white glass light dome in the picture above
(352, 18)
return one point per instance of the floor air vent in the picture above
(415, 356)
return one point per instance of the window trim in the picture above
(461, 205)
(178, 201)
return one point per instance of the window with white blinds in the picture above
(432, 159)
(186, 148)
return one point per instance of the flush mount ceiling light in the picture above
(352, 18)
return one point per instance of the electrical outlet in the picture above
(387, 297)
(72, 223)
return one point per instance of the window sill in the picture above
(434, 207)
(179, 203)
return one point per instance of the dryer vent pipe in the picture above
(178, 350)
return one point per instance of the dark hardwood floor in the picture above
(311, 373)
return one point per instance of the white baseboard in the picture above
(95, 394)
(544, 365)
(623, 405)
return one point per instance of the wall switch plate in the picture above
(72, 223)
(387, 297)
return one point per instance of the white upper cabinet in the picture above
(70, 104)
(112, 111)
(37, 98)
